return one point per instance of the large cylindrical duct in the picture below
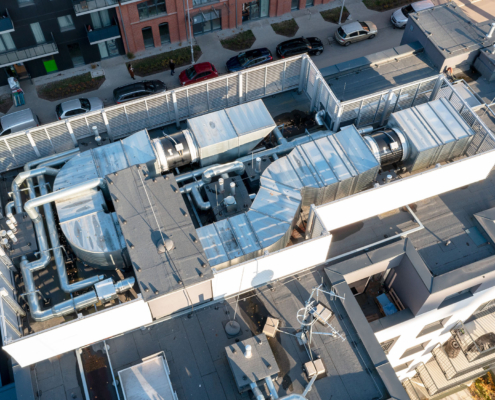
(388, 146)
(176, 150)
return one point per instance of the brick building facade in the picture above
(152, 23)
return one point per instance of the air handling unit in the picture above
(422, 136)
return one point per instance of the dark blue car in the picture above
(249, 59)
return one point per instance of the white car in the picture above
(72, 108)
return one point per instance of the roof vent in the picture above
(490, 32)
(165, 244)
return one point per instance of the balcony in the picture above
(82, 7)
(434, 381)
(6, 24)
(476, 338)
(111, 32)
(28, 53)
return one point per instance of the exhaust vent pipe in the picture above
(491, 31)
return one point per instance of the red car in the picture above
(198, 73)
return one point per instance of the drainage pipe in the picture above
(210, 173)
(271, 388)
(30, 206)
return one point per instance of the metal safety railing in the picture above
(426, 378)
(410, 390)
(158, 110)
(467, 341)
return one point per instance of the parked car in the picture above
(18, 121)
(293, 47)
(70, 108)
(355, 32)
(249, 59)
(399, 17)
(138, 90)
(198, 73)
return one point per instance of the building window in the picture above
(24, 3)
(255, 10)
(101, 19)
(6, 43)
(108, 49)
(76, 54)
(38, 33)
(434, 326)
(388, 344)
(402, 366)
(205, 22)
(415, 349)
(459, 296)
(164, 34)
(151, 8)
(148, 37)
(66, 23)
(202, 2)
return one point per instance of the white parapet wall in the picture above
(80, 332)
(407, 190)
(261, 270)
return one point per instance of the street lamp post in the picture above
(190, 34)
(341, 11)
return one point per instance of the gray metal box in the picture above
(262, 363)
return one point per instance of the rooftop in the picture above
(451, 30)
(375, 78)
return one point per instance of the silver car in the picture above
(400, 16)
(355, 32)
(72, 108)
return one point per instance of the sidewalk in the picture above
(310, 24)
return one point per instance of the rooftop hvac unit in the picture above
(435, 133)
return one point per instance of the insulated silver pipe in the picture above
(9, 208)
(30, 205)
(18, 181)
(57, 249)
(55, 156)
(232, 189)
(193, 189)
(256, 391)
(210, 173)
(279, 136)
(221, 187)
(271, 388)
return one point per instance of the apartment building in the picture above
(153, 23)
(39, 37)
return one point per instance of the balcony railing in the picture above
(28, 53)
(6, 24)
(410, 390)
(435, 381)
(100, 35)
(476, 338)
(82, 7)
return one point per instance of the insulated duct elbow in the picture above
(210, 173)
(30, 206)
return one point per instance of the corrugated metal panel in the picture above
(137, 116)
(282, 171)
(212, 246)
(229, 241)
(117, 120)
(276, 205)
(21, 148)
(60, 137)
(245, 235)
(269, 230)
(159, 110)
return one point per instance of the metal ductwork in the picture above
(216, 138)
(326, 168)
(92, 232)
(389, 146)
